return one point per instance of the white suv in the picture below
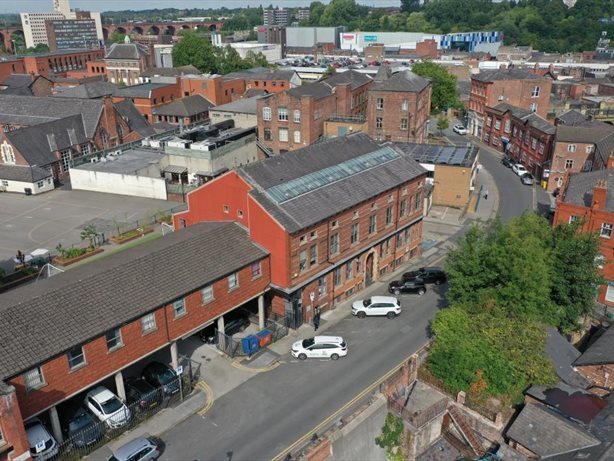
(377, 305)
(42, 444)
(320, 346)
(107, 407)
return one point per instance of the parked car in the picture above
(231, 327)
(107, 407)
(160, 375)
(331, 347)
(519, 169)
(42, 444)
(507, 162)
(142, 394)
(434, 275)
(460, 129)
(527, 179)
(139, 449)
(84, 430)
(408, 286)
(377, 305)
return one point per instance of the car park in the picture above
(107, 407)
(507, 162)
(139, 449)
(460, 129)
(162, 376)
(519, 169)
(331, 347)
(415, 285)
(433, 274)
(83, 430)
(527, 179)
(141, 395)
(375, 306)
(42, 444)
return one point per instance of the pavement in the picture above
(221, 375)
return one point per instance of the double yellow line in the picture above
(203, 386)
(327, 422)
(238, 365)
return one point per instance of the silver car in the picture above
(139, 449)
(527, 179)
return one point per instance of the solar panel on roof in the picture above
(312, 181)
(459, 156)
(445, 155)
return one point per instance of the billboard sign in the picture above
(348, 39)
(370, 38)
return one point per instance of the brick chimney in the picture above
(600, 191)
(610, 162)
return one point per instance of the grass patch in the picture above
(123, 247)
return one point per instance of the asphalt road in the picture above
(269, 412)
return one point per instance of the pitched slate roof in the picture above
(170, 71)
(89, 90)
(580, 188)
(540, 123)
(574, 118)
(243, 105)
(81, 304)
(33, 110)
(355, 79)
(318, 90)
(18, 84)
(262, 73)
(135, 120)
(185, 107)
(323, 182)
(601, 351)
(493, 75)
(142, 90)
(547, 433)
(514, 110)
(38, 143)
(128, 51)
(562, 354)
(23, 173)
(404, 80)
(582, 134)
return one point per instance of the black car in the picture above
(83, 430)
(159, 375)
(507, 161)
(434, 275)
(407, 286)
(142, 394)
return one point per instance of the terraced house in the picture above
(334, 216)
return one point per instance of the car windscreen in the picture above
(78, 423)
(111, 405)
(308, 342)
(366, 302)
(166, 376)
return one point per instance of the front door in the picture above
(369, 270)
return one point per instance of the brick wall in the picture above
(13, 439)
(217, 89)
(453, 185)
(561, 154)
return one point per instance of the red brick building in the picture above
(186, 111)
(516, 87)
(399, 106)
(148, 97)
(521, 134)
(217, 89)
(597, 363)
(334, 216)
(126, 61)
(59, 63)
(295, 118)
(271, 81)
(147, 299)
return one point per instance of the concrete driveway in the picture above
(44, 221)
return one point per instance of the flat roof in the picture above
(130, 162)
(463, 156)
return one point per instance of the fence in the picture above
(92, 434)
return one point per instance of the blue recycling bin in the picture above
(250, 344)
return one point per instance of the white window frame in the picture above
(297, 116)
(266, 114)
(233, 281)
(148, 322)
(283, 135)
(379, 123)
(571, 147)
(606, 230)
(8, 155)
(117, 337)
(533, 107)
(256, 269)
(589, 149)
(379, 103)
(535, 92)
(568, 163)
(78, 357)
(297, 136)
(179, 309)
(282, 114)
(609, 297)
(405, 105)
(404, 124)
(32, 384)
(207, 294)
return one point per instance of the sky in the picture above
(17, 6)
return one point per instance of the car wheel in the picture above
(421, 291)
(391, 315)
(361, 315)
(302, 356)
(397, 292)
(334, 357)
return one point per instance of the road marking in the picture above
(203, 386)
(534, 198)
(336, 414)
(240, 366)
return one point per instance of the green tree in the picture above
(117, 37)
(416, 22)
(391, 438)
(409, 6)
(330, 70)
(255, 60)
(442, 123)
(444, 93)
(196, 51)
(229, 60)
